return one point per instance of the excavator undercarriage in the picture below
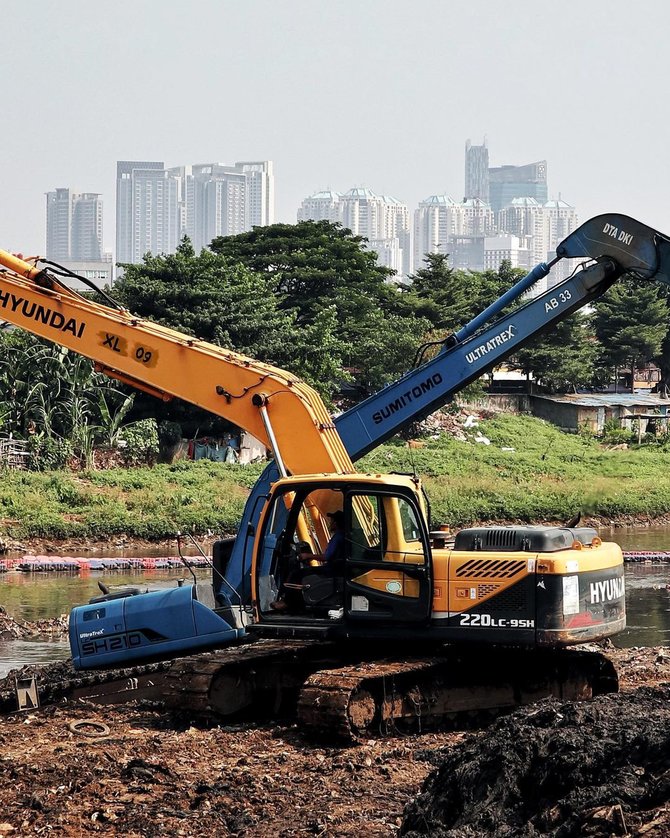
(337, 693)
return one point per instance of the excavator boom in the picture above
(274, 406)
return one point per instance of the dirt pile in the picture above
(599, 768)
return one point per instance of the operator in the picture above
(335, 548)
(289, 598)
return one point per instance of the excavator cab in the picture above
(334, 552)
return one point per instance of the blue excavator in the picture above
(395, 585)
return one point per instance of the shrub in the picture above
(614, 434)
(47, 452)
(140, 442)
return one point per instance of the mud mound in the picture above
(561, 769)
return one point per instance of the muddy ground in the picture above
(149, 773)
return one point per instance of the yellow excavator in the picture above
(383, 624)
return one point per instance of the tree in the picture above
(48, 392)
(213, 298)
(564, 358)
(316, 265)
(442, 294)
(663, 358)
(631, 323)
(308, 261)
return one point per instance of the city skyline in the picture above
(157, 206)
(376, 93)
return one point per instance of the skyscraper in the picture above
(136, 196)
(560, 220)
(381, 219)
(509, 182)
(526, 217)
(437, 218)
(476, 171)
(260, 193)
(156, 206)
(74, 225)
(325, 205)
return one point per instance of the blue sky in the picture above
(343, 93)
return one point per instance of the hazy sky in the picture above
(338, 93)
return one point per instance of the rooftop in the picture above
(628, 400)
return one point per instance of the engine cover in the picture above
(523, 539)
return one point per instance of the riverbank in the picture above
(128, 545)
(140, 771)
(529, 473)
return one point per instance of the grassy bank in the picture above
(547, 476)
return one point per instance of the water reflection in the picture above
(36, 596)
(647, 606)
(17, 653)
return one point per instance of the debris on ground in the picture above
(595, 768)
(135, 771)
(138, 770)
(12, 629)
(565, 769)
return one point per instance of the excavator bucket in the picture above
(638, 249)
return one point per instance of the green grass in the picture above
(143, 503)
(547, 477)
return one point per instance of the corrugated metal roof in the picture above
(628, 400)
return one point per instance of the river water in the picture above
(34, 596)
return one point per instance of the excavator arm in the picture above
(613, 244)
(288, 416)
(291, 419)
(616, 244)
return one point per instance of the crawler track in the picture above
(260, 677)
(338, 693)
(376, 698)
(61, 682)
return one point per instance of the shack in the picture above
(591, 410)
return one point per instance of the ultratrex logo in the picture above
(41, 314)
(496, 341)
(406, 398)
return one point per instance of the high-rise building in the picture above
(74, 225)
(381, 219)
(215, 202)
(260, 193)
(441, 225)
(509, 182)
(512, 249)
(325, 205)
(524, 217)
(478, 218)
(560, 220)
(156, 206)
(362, 212)
(139, 208)
(476, 171)
(436, 220)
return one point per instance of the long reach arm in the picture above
(614, 244)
